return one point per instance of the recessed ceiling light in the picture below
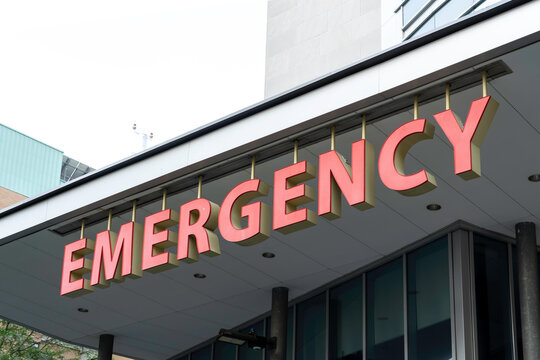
(268, 255)
(433, 207)
(83, 310)
(199, 276)
(534, 178)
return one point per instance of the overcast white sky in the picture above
(77, 74)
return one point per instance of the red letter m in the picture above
(108, 265)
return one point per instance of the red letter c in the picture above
(392, 158)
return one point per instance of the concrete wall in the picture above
(391, 22)
(310, 38)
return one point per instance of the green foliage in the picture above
(19, 343)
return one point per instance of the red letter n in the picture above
(355, 180)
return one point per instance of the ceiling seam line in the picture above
(397, 212)
(53, 286)
(515, 109)
(48, 309)
(450, 146)
(453, 188)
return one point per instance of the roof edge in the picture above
(268, 103)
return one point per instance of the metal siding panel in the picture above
(27, 166)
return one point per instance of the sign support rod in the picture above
(447, 96)
(164, 200)
(134, 209)
(83, 224)
(109, 220)
(363, 127)
(484, 83)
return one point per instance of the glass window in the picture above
(438, 16)
(424, 28)
(244, 352)
(202, 354)
(290, 333)
(311, 329)
(224, 351)
(385, 333)
(451, 11)
(346, 321)
(410, 8)
(492, 290)
(428, 302)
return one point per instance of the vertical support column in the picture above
(327, 324)
(529, 292)
(462, 294)
(105, 350)
(405, 309)
(278, 326)
(513, 306)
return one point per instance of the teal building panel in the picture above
(27, 166)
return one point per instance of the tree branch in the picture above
(18, 350)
